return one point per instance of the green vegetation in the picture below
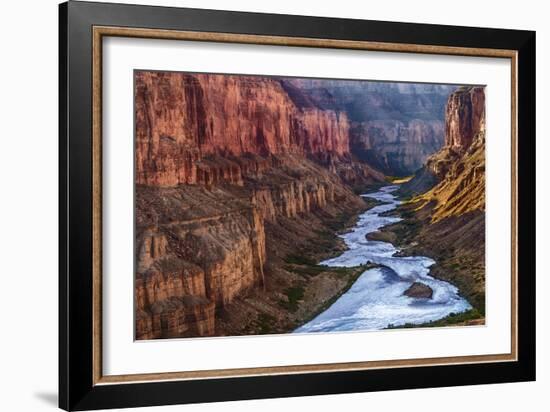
(466, 274)
(371, 202)
(309, 270)
(305, 267)
(265, 323)
(294, 295)
(340, 221)
(299, 260)
(352, 273)
(451, 319)
(407, 229)
(360, 189)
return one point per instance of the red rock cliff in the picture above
(196, 250)
(464, 117)
(184, 121)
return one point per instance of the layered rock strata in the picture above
(397, 147)
(200, 247)
(204, 129)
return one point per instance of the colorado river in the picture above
(376, 299)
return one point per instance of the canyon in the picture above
(218, 159)
(243, 184)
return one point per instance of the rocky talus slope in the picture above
(223, 164)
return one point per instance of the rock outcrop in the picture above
(464, 117)
(200, 247)
(419, 290)
(394, 146)
(192, 257)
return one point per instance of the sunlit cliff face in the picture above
(183, 120)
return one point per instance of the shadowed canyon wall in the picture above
(222, 162)
(393, 126)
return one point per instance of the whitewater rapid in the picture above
(376, 301)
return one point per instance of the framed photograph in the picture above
(256, 205)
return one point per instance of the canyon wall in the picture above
(395, 127)
(220, 158)
(195, 252)
(196, 128)
(394, 146)
(464, 117)
(200, 247)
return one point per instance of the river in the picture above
(376, 300)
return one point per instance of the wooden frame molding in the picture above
(102, 31)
